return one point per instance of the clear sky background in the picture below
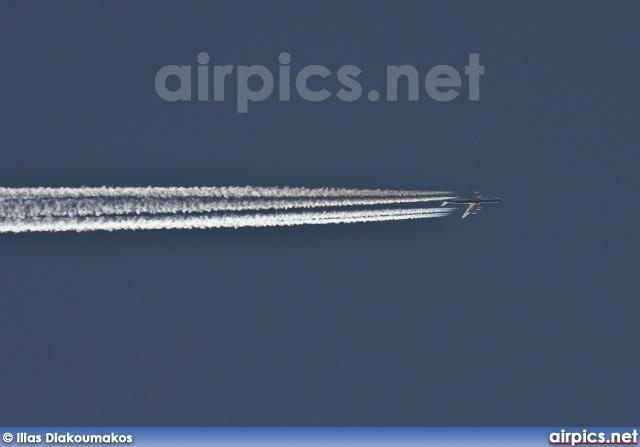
(526, 314)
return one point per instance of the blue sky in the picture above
(522, 315)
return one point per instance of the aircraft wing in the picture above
(474, 193)
(473, 208)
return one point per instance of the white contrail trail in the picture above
(211, 192)
(112, 223)
(105, 208)
(14, 208)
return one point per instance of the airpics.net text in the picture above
(174, 82)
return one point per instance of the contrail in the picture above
(112, 223)
(100, 206)
(105, 208)
(219, 192)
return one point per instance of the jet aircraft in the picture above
(474, 201)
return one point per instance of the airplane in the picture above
(474, 201)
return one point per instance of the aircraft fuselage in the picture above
(469, 201)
